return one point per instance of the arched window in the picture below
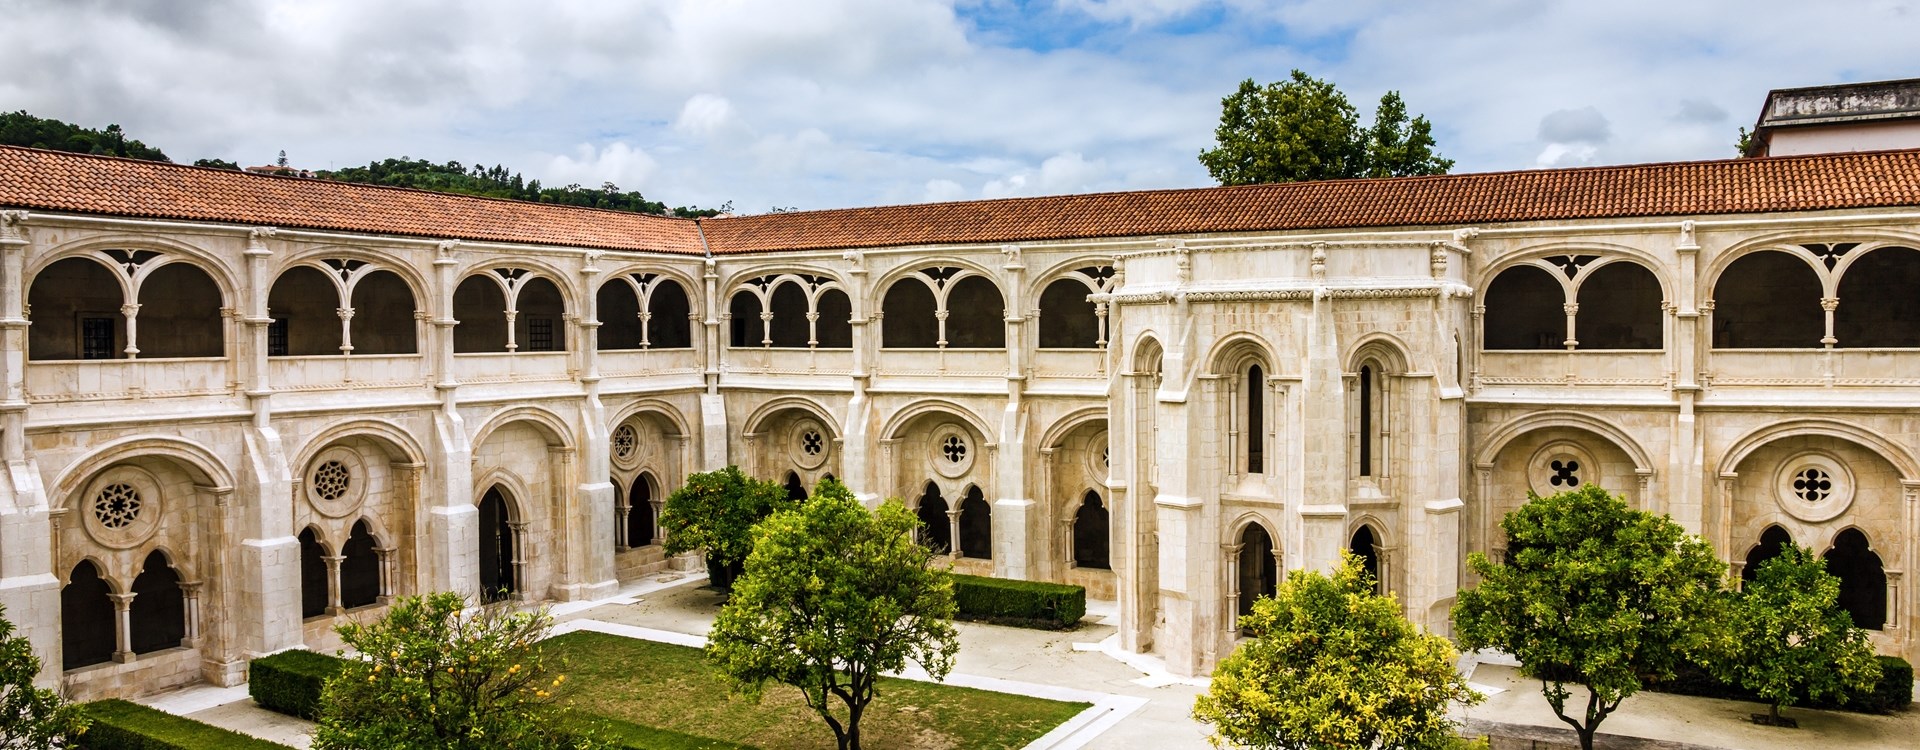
(76, 312)
(480, 306)
(1068, 320)
(936, 531)
(1363, 545)
(180, 313)
(640, 528)
(1773, 541)
(796, 490)
(1768, 300)
(1863, 581)
(976, 526)
(669, 315)
(313, 574)
(1620, 308)
(907, 316)
(1526, 309)
(538, 325)
(1090, 533)
(87, 619)
(1258, 570)
(304, 305)
(360, 568)
(976, 315)
(789, 327)
(1878, 306)
(1369, 418)
(619, 527)
(617, 305)
(497, 571)
(743, 313)
(158, 615)
(1256, 420)
(383, 315)
(834, 326)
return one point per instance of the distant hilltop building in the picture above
(281, 170)
(1845, 117)
(237, 410)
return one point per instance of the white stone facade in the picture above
(1224, 407)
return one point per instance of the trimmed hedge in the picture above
(1029, 604)
(119, 725)
(289, 682)
(1893, 693)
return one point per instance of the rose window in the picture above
(117, 506)
(624, 440)
(1812, 484)
(330, 480)
(1565, 473)
(811, 443)
(954, 449)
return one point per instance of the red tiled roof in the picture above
(31, 178)
(1734, 186)
(79, 183)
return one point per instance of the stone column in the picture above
(451, 549)
(28, 586)
(856, 446)
(123, 631)
(713, 405)
(333, 584)
(190, 594)
(519, 531)
(387, 576)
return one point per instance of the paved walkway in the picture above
(1137, 703)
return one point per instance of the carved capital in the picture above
(11, 231)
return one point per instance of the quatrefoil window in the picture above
(117, 506)
(954, 449)
(811, 443)
(331, 480)
(1812, 484)
(624, 441)
(1565, 473)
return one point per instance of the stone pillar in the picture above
(190, 594)
(451, 550)
(713, 405)
(519, 531)
(29, 588)
(266, 573)
(953, 531)
(123, 630)
(856, 464)
(333, 584)
(387, 576)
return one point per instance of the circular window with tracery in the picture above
(808, 444)
(625, 440)
(117, 506)
(121, 508)
(337, 483)
(331, 480)
(1560, 466)
(953, 451)
(1099, 460)
(1814, 487)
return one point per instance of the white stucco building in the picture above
(238, 406)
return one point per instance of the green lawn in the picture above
(673, 688)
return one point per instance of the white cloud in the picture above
(705, 115)
(944, 190)
(617, 162)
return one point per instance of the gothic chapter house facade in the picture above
(240, 407)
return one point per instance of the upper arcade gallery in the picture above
(243, 406)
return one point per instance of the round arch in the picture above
(1608, 252)
(1036, 283)
(396, 439)
(193, 456)
(767, 411)
(1498, 439)
(913, 411)
(1067, 424)
(1226, 355)
(558, 433)
(534, 268)
(1386, 347)
(664, 410)
(1888, 450)
(316, 257)
(181, 252)
(886, 280)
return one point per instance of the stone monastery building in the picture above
(240, 407)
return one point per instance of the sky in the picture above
(836, 103)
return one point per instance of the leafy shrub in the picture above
(119, 725)
(1892, 693)
(1027, 604)
(290, 681)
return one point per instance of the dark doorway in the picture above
(1768, 300)
(360, 571)
(1090, 533)
(1863, 582)
(496, 548)
(796, 489)
(935, 532)
(158, 616)
(1258, 571)
(1362, 546)
(640, 512)
(1773, 541)
(313, 575)
(976, 526)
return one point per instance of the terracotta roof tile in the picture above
(1801, 183)
(55, 181)
(31, 178)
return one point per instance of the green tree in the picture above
(432, 674)
(716, 511)
(1305, 129)
(1788, 639)
(1331, 664)
(22, 129)
(1595, 594)
(1399, 147)
(30, 716)
(833, 597)
(216, 164)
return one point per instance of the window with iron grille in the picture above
(540, 334)
(96, 338)
(277, 338)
